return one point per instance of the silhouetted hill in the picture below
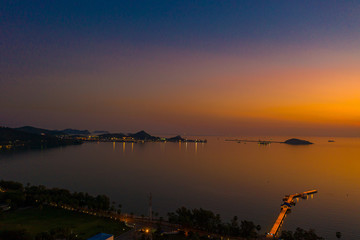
(10, 134)
(99, 132)
(70, 131)
(112, 135)
(42, 131)
(176, 139)
(295, 141)
(14, 139)
(142, 135)
(38, 131)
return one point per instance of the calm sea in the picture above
(230, 178)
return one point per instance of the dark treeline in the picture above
(210, 222)
(301, 234)
(16, 195)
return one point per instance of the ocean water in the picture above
(247, 180)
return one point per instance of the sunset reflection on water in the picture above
(248, 180)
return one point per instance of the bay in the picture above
(247, 180)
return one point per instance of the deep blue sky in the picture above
(176, 23)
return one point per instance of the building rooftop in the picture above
(100, 236)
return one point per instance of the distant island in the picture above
(295, 141)
(292, 141)
(29, 137)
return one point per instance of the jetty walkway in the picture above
(285, 207)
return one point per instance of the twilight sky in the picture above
(182, 67)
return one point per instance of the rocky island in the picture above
(295, 141)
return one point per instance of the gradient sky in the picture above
(182, 67)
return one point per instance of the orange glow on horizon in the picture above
(187, 92)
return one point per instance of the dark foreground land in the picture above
(40, 213)
(48, 220)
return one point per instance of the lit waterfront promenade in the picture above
(288, 201)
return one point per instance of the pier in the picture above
(252, 141)
(285, 207)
